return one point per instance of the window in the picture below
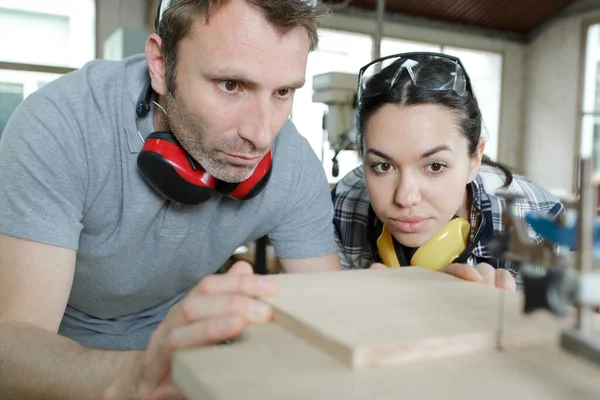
(11, 94)
(590, 124)
(339, 52)
(42, 40)
(393, 46)
(485, 71)
(57, 32)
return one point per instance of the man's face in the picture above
(417, 167)
(236, 77)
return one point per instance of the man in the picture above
(101, 273)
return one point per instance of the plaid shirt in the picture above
(351, 218)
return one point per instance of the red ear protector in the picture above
(172, 172)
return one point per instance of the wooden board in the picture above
(368, 318)
(271, 363)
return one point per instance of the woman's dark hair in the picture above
(403, 92)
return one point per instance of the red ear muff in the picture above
(171, 171)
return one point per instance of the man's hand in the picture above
(217, 309)
(482, 272)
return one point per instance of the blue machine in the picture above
(547, 227)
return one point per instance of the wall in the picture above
(553, 71)
(112, 14)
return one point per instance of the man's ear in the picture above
(476, 160)
(156, 64)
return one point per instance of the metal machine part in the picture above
(562, 282)
(338, 91)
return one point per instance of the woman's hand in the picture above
(482, 272)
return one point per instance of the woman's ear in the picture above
(476, 160)
(156, 64)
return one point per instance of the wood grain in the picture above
(271, 363)
(368, 318)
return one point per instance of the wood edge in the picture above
(311, 336)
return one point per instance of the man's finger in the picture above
(377, 266)
(505, 280)
(197, 307)
(463, 271)
(241, 268)
(249, 285)
(487, 272)
(205, 332)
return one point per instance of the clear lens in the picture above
(429, 72)
(311, 3)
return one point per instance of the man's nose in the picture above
(256, 126)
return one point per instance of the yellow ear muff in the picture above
(385, 246)
(444, 247)
(437, 253)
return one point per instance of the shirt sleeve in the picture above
(43, 174)
(306, 228)
(350, 219)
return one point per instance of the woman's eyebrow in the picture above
(435, 150)
(379, 154)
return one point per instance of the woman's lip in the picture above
(409, 220)
(410, 225)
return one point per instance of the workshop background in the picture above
(533, 63)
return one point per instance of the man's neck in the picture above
(160, 119)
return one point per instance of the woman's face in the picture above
(417, 167)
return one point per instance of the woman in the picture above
(424, 172)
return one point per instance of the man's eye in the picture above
(284, 92)
(229, 86)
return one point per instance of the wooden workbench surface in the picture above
(389, 334)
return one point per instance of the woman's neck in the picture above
(465, 209)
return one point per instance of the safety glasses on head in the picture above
(431, 71)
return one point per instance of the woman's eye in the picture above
(436, 168)
(229, 86)
(382, 167)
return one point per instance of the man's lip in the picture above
(243, 160)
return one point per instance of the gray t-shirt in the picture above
(69, 178)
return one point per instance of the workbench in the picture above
(389, 334)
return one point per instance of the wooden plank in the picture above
(271, 363)
(368, 318)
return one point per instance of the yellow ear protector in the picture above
(440, 251)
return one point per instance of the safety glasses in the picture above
(431, 71)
